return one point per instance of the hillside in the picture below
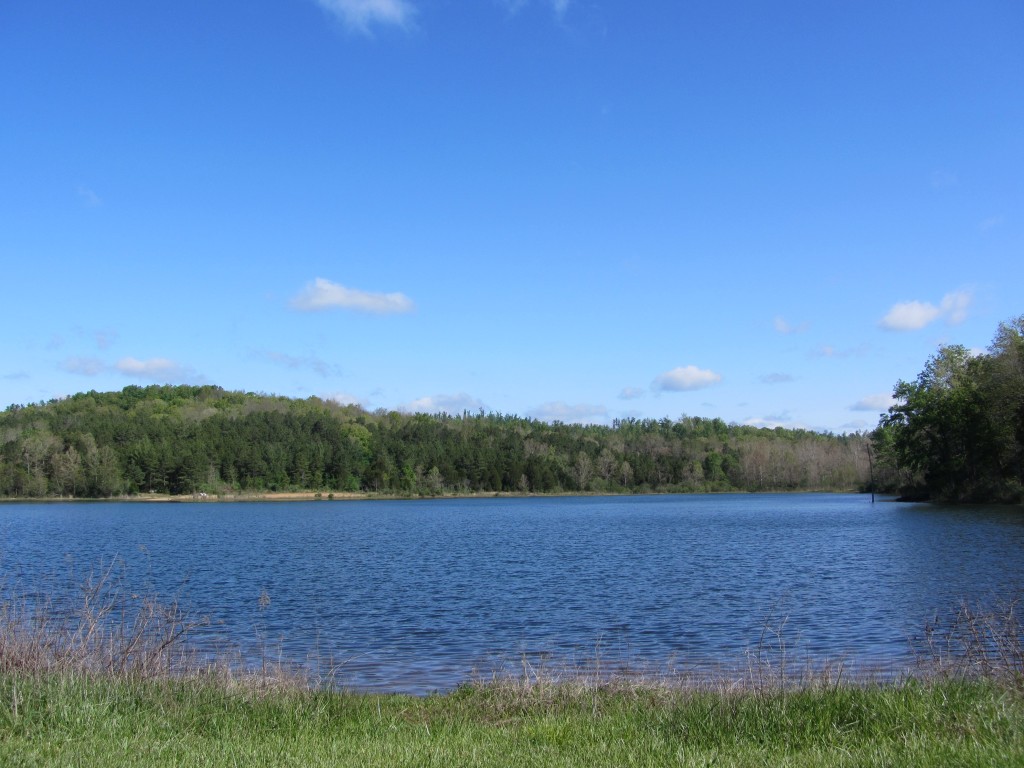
(192, 439)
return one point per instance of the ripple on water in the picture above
(418, 596)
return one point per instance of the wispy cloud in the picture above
(827, 350)
(84, 366)
(558, 6)
(990, 223)
(914, 315)
(156, 369)
(943, 179)
(875, 403)
(310, 362)
(453, 404)
(360, 15)
(322, 294)
(88, 197)
(685, 379)
(782, 326)
(631, 393)
(776, 378)
(955, 305)
(570, 414)
(104, 339)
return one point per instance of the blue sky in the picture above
(565, 209)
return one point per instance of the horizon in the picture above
(558, 210)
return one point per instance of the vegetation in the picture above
(83, 722)
(957, 432)
(191, 439)
(98, 686)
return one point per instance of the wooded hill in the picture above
(190, 439)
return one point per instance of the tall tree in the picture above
(958, 430)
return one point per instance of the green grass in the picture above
(114, 683)
(68, 719)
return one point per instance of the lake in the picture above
(420, 595)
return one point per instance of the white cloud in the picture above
(685, 379)
(784, 419)
(344, 398)
(323, 294)
(769, 422)
(776, 378)
(157, 369)
(910, 316)
(857, 425)
(876, 403)
(453, 404)
(955, 305)
(915, 315)
(84, 366)
(631, 393)
(782, 326)
(572, 414)
(361, 14)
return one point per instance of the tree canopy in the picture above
(956, 433)
(190, 439)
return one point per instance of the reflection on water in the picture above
(417, 595)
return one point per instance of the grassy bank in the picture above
(111, 680)
(62, 719)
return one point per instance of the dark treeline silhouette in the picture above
(956, 433)
(191, 439)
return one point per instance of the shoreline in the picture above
(286, 496)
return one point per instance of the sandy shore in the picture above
(264, 496)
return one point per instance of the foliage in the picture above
(192, 439)
(957, 432)
(81, 721)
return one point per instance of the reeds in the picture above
(978, 642)
(106, 630)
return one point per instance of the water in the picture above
(421, 595)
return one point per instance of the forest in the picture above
(956, 433)
(203, 439)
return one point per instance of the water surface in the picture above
(418, 595)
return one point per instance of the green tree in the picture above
(957, 431)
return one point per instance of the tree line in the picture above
(191, 439)
(956, 433)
